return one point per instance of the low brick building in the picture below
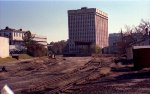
(141, 55)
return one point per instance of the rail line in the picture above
(65, 81)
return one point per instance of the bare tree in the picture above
(58, 47)
(133, 35)
(33, 48)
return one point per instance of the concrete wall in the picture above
(4, 47)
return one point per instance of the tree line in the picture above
(57, 47)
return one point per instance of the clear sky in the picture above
(49, 18)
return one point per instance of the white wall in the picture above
(4, 47)
(17, 35)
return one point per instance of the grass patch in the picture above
(10, 59)
(7, 59)
(24, 56)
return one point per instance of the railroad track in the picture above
(69, 80)
(62, 88)
(86, 75)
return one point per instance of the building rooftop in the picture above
(11, 29)
(141, 47)
(87, 10)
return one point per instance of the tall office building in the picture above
(87, 26)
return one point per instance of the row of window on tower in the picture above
(81, 26)
(81, 29)
(81, 17)
(81, 33)
(87, 38)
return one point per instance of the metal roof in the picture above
(141, 47)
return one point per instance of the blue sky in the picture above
(49, 18)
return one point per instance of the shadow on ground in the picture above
(138, 75)
(122, 69)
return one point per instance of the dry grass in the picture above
(7, 59)
(24, 56)
(105, 71)
(10, 59)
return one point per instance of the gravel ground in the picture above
(74, 75)
(39, 74)
(122, 80)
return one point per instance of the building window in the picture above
(10, 43)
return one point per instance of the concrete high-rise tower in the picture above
(87, 26)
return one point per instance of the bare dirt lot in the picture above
(74, 75)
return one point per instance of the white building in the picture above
(4, 47)
(16, 37)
